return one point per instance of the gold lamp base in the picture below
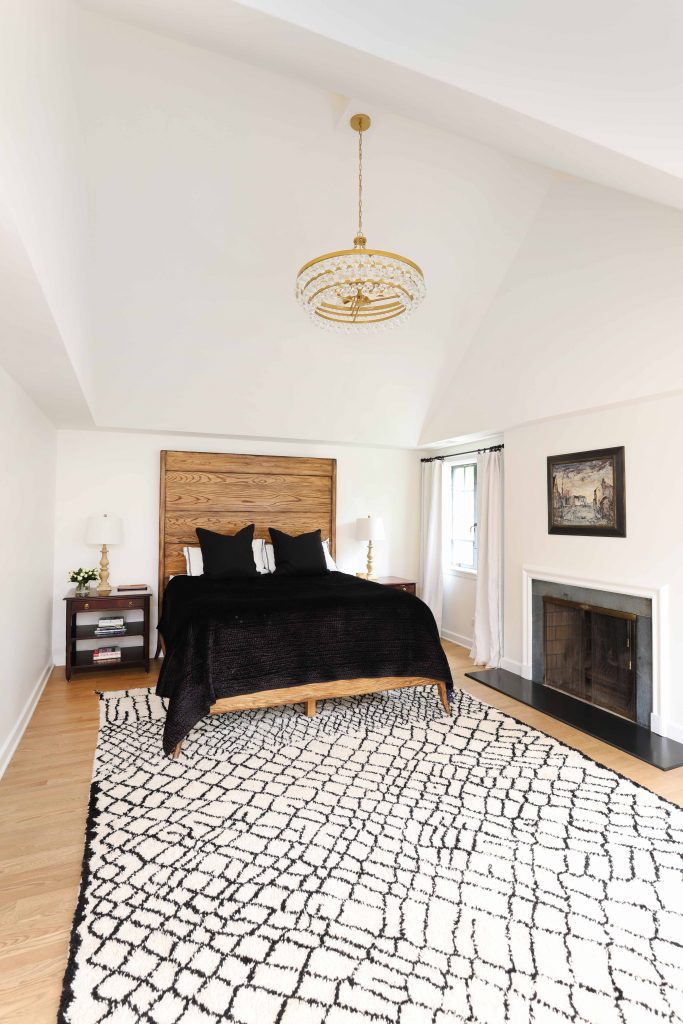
(104, 589)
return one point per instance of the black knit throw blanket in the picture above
(227, 638)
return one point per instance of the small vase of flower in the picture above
(83, 578)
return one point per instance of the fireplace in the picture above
(604, 672)
(600, 651)
(590, 654)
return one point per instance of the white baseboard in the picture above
(14, 738)
(665, 727)
(512, 666)
(456, 638)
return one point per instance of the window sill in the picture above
(453, 570)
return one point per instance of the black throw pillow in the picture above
(298, 556)
(227, 557)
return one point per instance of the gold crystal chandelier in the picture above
(360, 288)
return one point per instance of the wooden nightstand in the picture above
(123, 603)
(397, 583)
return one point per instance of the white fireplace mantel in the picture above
(660, 721)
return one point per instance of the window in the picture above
(464, 516)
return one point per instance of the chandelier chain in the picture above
(360, 183)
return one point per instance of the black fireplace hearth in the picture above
(630, 737)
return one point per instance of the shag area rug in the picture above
(379, 862)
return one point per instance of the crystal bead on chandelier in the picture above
(360, 288)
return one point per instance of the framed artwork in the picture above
(586, 493)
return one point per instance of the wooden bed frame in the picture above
(224, 493)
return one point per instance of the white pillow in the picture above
(194, 562)
(329, 560)
(259, 549)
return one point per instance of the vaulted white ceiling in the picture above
(200, 153)
(594, 89)
(607, 72)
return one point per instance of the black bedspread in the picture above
(226, 638)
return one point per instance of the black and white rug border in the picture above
(79, 913)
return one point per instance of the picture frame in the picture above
(587, 493)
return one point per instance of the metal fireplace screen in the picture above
(590, 654)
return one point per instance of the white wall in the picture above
(651, 555)
(41, 161)
(27, 504)
(107, 471)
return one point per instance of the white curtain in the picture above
(487, 645)
(431, 546)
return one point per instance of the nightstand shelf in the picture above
(136, 628)
(134, 609)
(131, 657)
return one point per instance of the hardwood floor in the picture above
(43, 801)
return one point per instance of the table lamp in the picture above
(104, 530)
(369, 528)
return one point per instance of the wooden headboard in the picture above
(226, 492)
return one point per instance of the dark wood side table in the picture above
(117, 603)
(397, 583)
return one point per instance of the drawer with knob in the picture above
(88, 604)
(396, 583)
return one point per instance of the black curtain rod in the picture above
(474, 451)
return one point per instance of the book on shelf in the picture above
(106, 654)
(111, 631)
(111, 622)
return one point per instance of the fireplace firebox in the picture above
(590, 654)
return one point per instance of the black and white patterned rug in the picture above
(379, 862)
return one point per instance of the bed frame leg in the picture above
(310, 708)
(443, 693)
(176, 750)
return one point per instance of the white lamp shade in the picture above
(104, 529)
(369, 528)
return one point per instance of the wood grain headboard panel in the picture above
(226, 492)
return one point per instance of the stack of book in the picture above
(106, 654)
(111, 626)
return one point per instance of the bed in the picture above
(234, 645)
